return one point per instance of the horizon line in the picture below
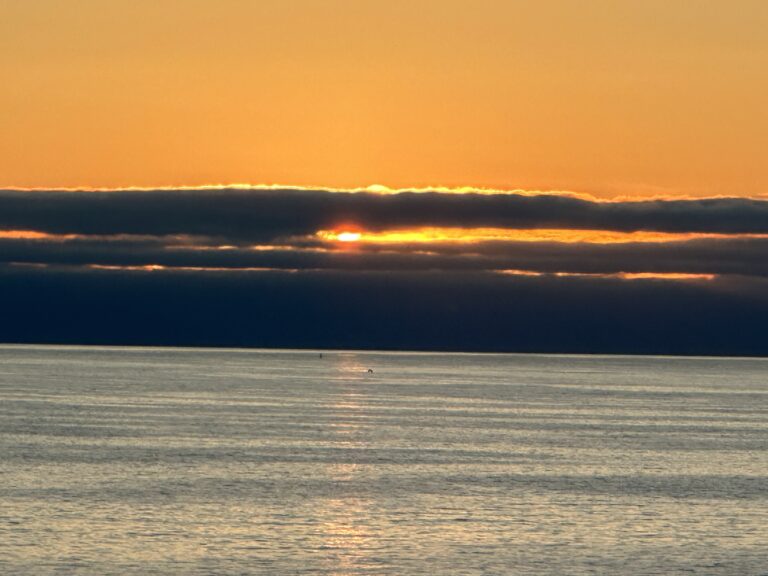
(289, 349)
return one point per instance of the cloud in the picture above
(722, 256)
(315, 292)
(436, 311)
(258, 215)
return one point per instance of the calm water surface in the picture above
(173, 461)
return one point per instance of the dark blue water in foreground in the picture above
(172, 461)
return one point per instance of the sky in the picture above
(607, 97)
(554, 176)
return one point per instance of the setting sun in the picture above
(348, 236)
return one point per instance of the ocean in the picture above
(202, 461)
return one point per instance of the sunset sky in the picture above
(600, 96)
(558, 175)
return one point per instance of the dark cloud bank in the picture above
(426, 297)
(425, 311)
(259, 215)
(742, 256)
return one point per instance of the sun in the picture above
(348, 236)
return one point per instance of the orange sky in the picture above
(602, 96)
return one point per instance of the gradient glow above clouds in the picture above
(627, 97)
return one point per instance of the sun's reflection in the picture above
(348, 538)
(348, 402)
(347, 534)
(350, 367)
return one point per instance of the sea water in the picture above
(189, 461)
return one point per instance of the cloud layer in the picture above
(426, 311)
(745, 257)
(248, 267)
(265, 214)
